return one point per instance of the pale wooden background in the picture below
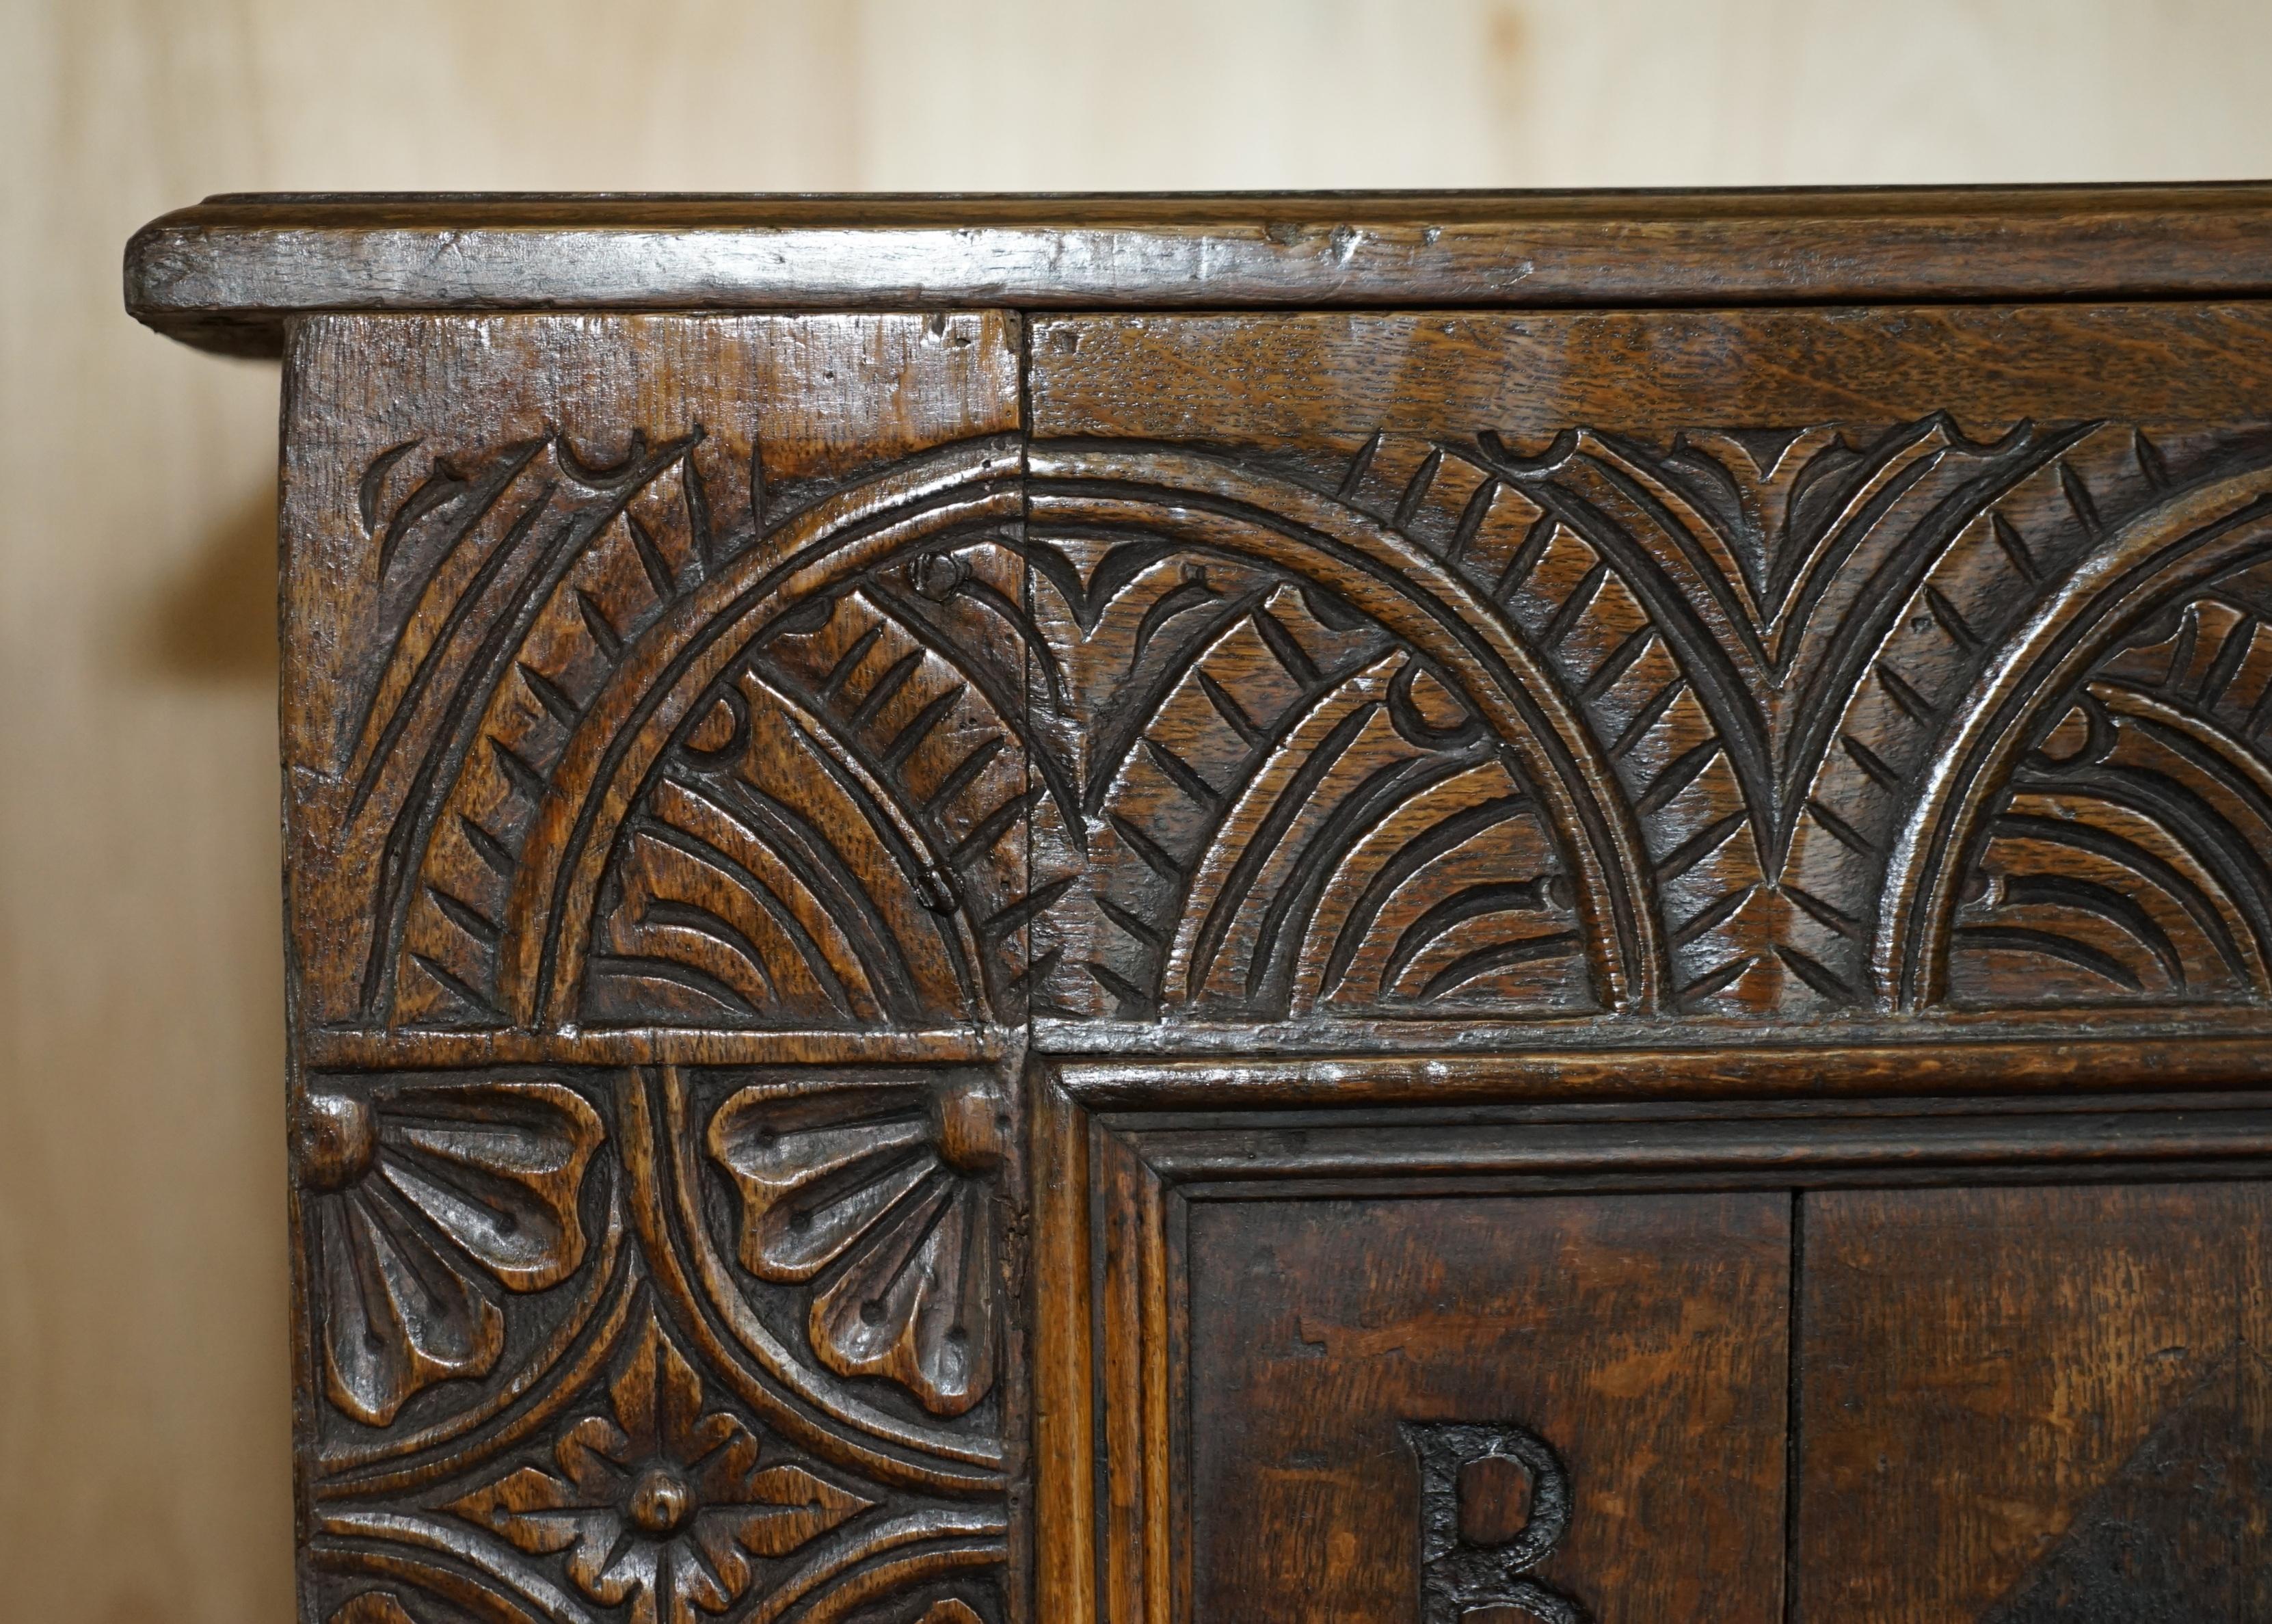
(143, 1421)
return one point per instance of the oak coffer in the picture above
(1406, 909)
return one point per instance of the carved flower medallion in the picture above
(881, 1196)
(417, 1197)
(656, 1502)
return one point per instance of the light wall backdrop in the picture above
(143, 1424)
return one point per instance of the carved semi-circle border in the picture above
(968, 959)
(1198, 499)
(629, 721)
(2193, 537)
(1206, 502)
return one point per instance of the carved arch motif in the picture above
(1596, 726)
(836, 641)
(797, 792)
(1751, 722)
(1792, 642)
(2113, 713)
(1282, 715)
(877, 866)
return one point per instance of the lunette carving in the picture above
(1272, 778)
(1777, 633)
(1786, 642)
(527, 663)
(518, 576)
(2126, 858)
(1607, 726)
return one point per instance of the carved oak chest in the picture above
(1408, 908)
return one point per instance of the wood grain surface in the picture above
(1218, 1245)
(2022, 1405)
(1643, 1340)
(224, 273)
(647, 457)
(711, 1338)
(721, 748)
(1925, 677)
(1336, 379)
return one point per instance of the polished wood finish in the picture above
(2061, 1393)
(230, 272)
(979, 934)
(1724, 703)
(1641, 1339)
(601, 1328)
(544, 549)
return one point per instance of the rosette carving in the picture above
(658, 1501)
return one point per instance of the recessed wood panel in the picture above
(2026, 1406)
(1641, 1338)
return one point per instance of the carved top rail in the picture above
(1655, 698)
(226, 273)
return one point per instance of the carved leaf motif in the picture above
(413, 1194)
(888, 1188)
(1715, 604)
(400, 1316)
(657, 1502)
(553, 585)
